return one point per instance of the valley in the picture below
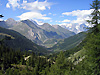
(41, 40)
(38, 34)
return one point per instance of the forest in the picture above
(83, 59)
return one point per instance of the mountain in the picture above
(11, 22)
(8, 23)
(68, 43)
(3, 24)
(19, 42)
(42, 35)
(77, 28)
(62, 31)
(59, 33)
(34, 22)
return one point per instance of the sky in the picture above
(62, 12)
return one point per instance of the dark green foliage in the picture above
(69, 43)
(95, 15)
(8, 57)
(93, 47)
(13, 62)
(20, 42)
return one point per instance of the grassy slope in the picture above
(69, 43)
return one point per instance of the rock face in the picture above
(36, 33)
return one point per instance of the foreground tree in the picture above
(95, 15)
(93, 41)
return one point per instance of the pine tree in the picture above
(93, 41)
(95, 15)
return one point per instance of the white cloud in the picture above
(34, 8)
(36, 5)
(7, 5)
(38, 22)
(49, 7)
(77, 24)
(82, 15)
(66, 20)
(34, 15)
(13, 3)
(79, 13)
(24, 1)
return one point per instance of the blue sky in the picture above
(49, 11)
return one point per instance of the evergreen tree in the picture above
(95, 15)
(93, 40)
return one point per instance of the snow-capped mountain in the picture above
(77, 28)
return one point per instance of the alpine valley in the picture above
(31, 47)
(46, 35)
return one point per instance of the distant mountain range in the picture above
(77, 28)
(42, 35)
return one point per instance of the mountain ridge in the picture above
(36, 33)
(20, 41)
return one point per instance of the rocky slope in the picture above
(39, 34)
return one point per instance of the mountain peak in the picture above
(10, 19)
(47, 24)
(30, 23)
(11, 22)
(77, 28)
(57, 26)
(25, 20)
(34, 22)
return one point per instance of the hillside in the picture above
(19, 41)
(69, 43)
(62, 32)
(66, 53)
(38, 34)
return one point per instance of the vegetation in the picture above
(19, 42)
(84, 59)
(69, 43)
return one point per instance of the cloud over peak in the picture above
(33, 15)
